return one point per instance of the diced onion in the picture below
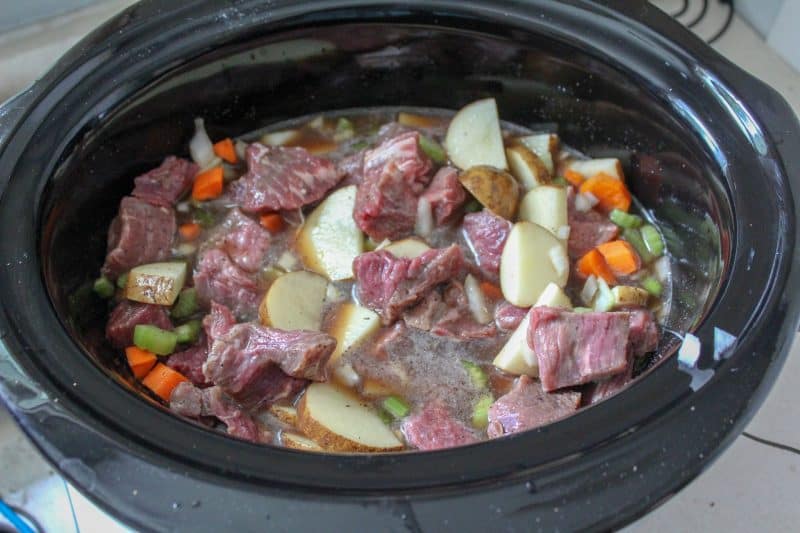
(383, 244)
(582, 203)
(183, 207)
(476, 301)
(216, 162)
(333, 294)
(186, 249)
(287, 261)
(201, 147)
(589, 290)
(559, 260)
(563, 233)
(241, 149)
(347, 375)
(424, 224)
(591, 198)
(229, 172)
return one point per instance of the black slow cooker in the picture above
(714, 153)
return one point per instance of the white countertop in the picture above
(753, 486)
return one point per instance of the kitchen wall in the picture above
(776, 21)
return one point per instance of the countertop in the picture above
(752, 486)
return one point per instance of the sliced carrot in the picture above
(226, 150)
(491, 290)
(611, 193)
(140, 361)
(272, 221)
(162, 380)
(190, 231)
(208, 184)
(574, 177)
(620, 257)
(594, 264)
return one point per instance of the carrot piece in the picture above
(611, 193)
(226, 150)
(574, 177)
(140, 361)
(620, 257)
(491, 290)
(190, 231)
(208, 184)
(272, 221)
(162, 380)
(594, 264)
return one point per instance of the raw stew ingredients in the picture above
(378, 281)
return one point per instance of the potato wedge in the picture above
(280, 138)
(526, 166)
(591, 167)
(156, 283)
(294, 301)
(527, 266)
(495, 189)
(546, 206)
(407, 248)
(340, 421)
(330, 240)
(474, 137)
(285, 413)
(545, 146)
(625, 296)
(516, 357)
(299, 442)
(553, 296)
(419, 121)
(352, 325)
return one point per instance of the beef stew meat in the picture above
(382, 280)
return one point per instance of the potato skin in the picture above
(495, 189)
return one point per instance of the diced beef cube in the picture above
(141, 233)
(127, 315)
(527, 406)
(576, 348)
(395, 174)
(166, 184)
(352, 167)
(448, 316)
(389, 285)
(587, 229)
(508, 316)
(602, 389)
(280, 178)
(218, 322)
(434, 428)
(643, 332)
(187, 400)
(445, 194)
(189, 362)
(255, 364)
(389, 340)
(217, 278)
(487, 234)
(391, 130)
(244, 240)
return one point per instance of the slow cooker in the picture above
(713, 153)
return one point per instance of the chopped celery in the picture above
(480, 412)
(103, 288)
(396, 406)
(186, 305)
(188, 332)
(122, 280)
(344, 130)
(205, 218)
(634, 237)
(473, 206)
(653, 286)
(360, 145)
(625, 220)
(582, 310)
(604, 301)
(154, 339)
(385, 417)
(652, 239)
(476, 374)
(433, 149)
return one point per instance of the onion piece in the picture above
(559, 260)
(287, 261)
(241, 149)
(185, 249)
(183, 207)
(347, 375)
(200, 147)
(476, 301)
(563, 233)
(333, 294)
(582, 203)
(589, 290)
(424, 223)
(591, 198)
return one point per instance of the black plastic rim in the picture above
(613, 462)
